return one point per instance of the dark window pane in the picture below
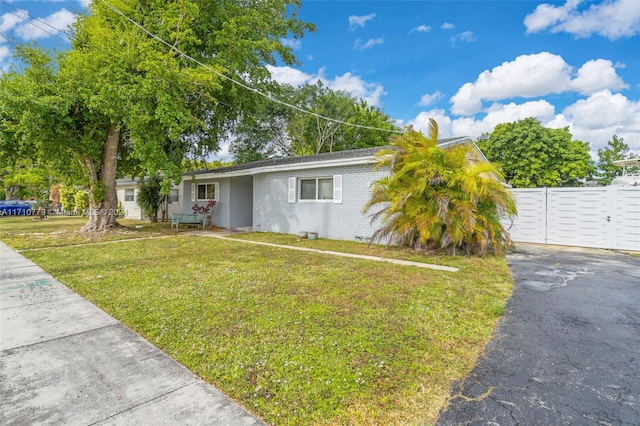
(325, 189)
(308, 189)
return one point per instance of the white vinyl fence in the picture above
(602, 217)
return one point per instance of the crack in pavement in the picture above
(566, 349)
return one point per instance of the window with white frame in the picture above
(207, 191)
(316, 189)
(174, 195)
(129, 195)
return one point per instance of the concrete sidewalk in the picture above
(65, 361)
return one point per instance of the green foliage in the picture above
(615, 150)
(33, 180)
(99, 191)
(23, 178)
(438, 199)
(278, 131)
(81, 200)
(530, 155)
(67, 198)
(150, 197)
(119, 102)
(120, 209)
(190, 165)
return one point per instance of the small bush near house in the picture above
(81, 199)
(67, 198)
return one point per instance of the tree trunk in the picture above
(103, 198)
(11, 192)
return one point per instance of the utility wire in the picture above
(25, 13)
(7, 39)
(242, 84)
(22, 15)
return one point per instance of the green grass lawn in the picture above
(296, 337)
(27, 232)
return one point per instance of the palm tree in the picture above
(435, 198)
(150, 198)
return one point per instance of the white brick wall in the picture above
(273, 213)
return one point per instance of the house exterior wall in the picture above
(133, 211)
(272, 212)
(223, 203)
(131, 208)
(233, 203)
(241, 202)
(177, 206)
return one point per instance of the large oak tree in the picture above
(119, 101)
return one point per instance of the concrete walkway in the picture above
(64, 361)
(332, 253)
(567, 350)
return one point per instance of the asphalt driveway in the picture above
(567, 350)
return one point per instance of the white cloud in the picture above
(498, 113)
(360, 21)
(5, 57)
(369, 92)
(534, 75)
(430, 98)
(8, 21)
(466, 36)
(604, 110)
(612, 19)
(421, 122)
(84, 3)
(359, 45)
(292, 43)
(597, 75)
(420, 29)
(289, 75)
(546, 15)
(597, 118)
(44, 28)
(447, 26)
(594, 119)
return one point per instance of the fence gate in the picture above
(602, 217)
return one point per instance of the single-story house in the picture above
(321, 193)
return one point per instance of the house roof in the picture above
(353, 156)
(327, 156)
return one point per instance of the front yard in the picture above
(296, 337)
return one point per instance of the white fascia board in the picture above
(127, 185)
(463, 140)
(459, 141)
(295, 166)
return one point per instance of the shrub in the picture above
(438, 199)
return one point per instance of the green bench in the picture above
(178, 218)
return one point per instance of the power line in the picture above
(242, 84)
(7, 39)
(23, 15)
(157, 38)
(24, 12)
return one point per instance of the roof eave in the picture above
(340, 162)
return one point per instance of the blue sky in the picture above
(468, 64)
